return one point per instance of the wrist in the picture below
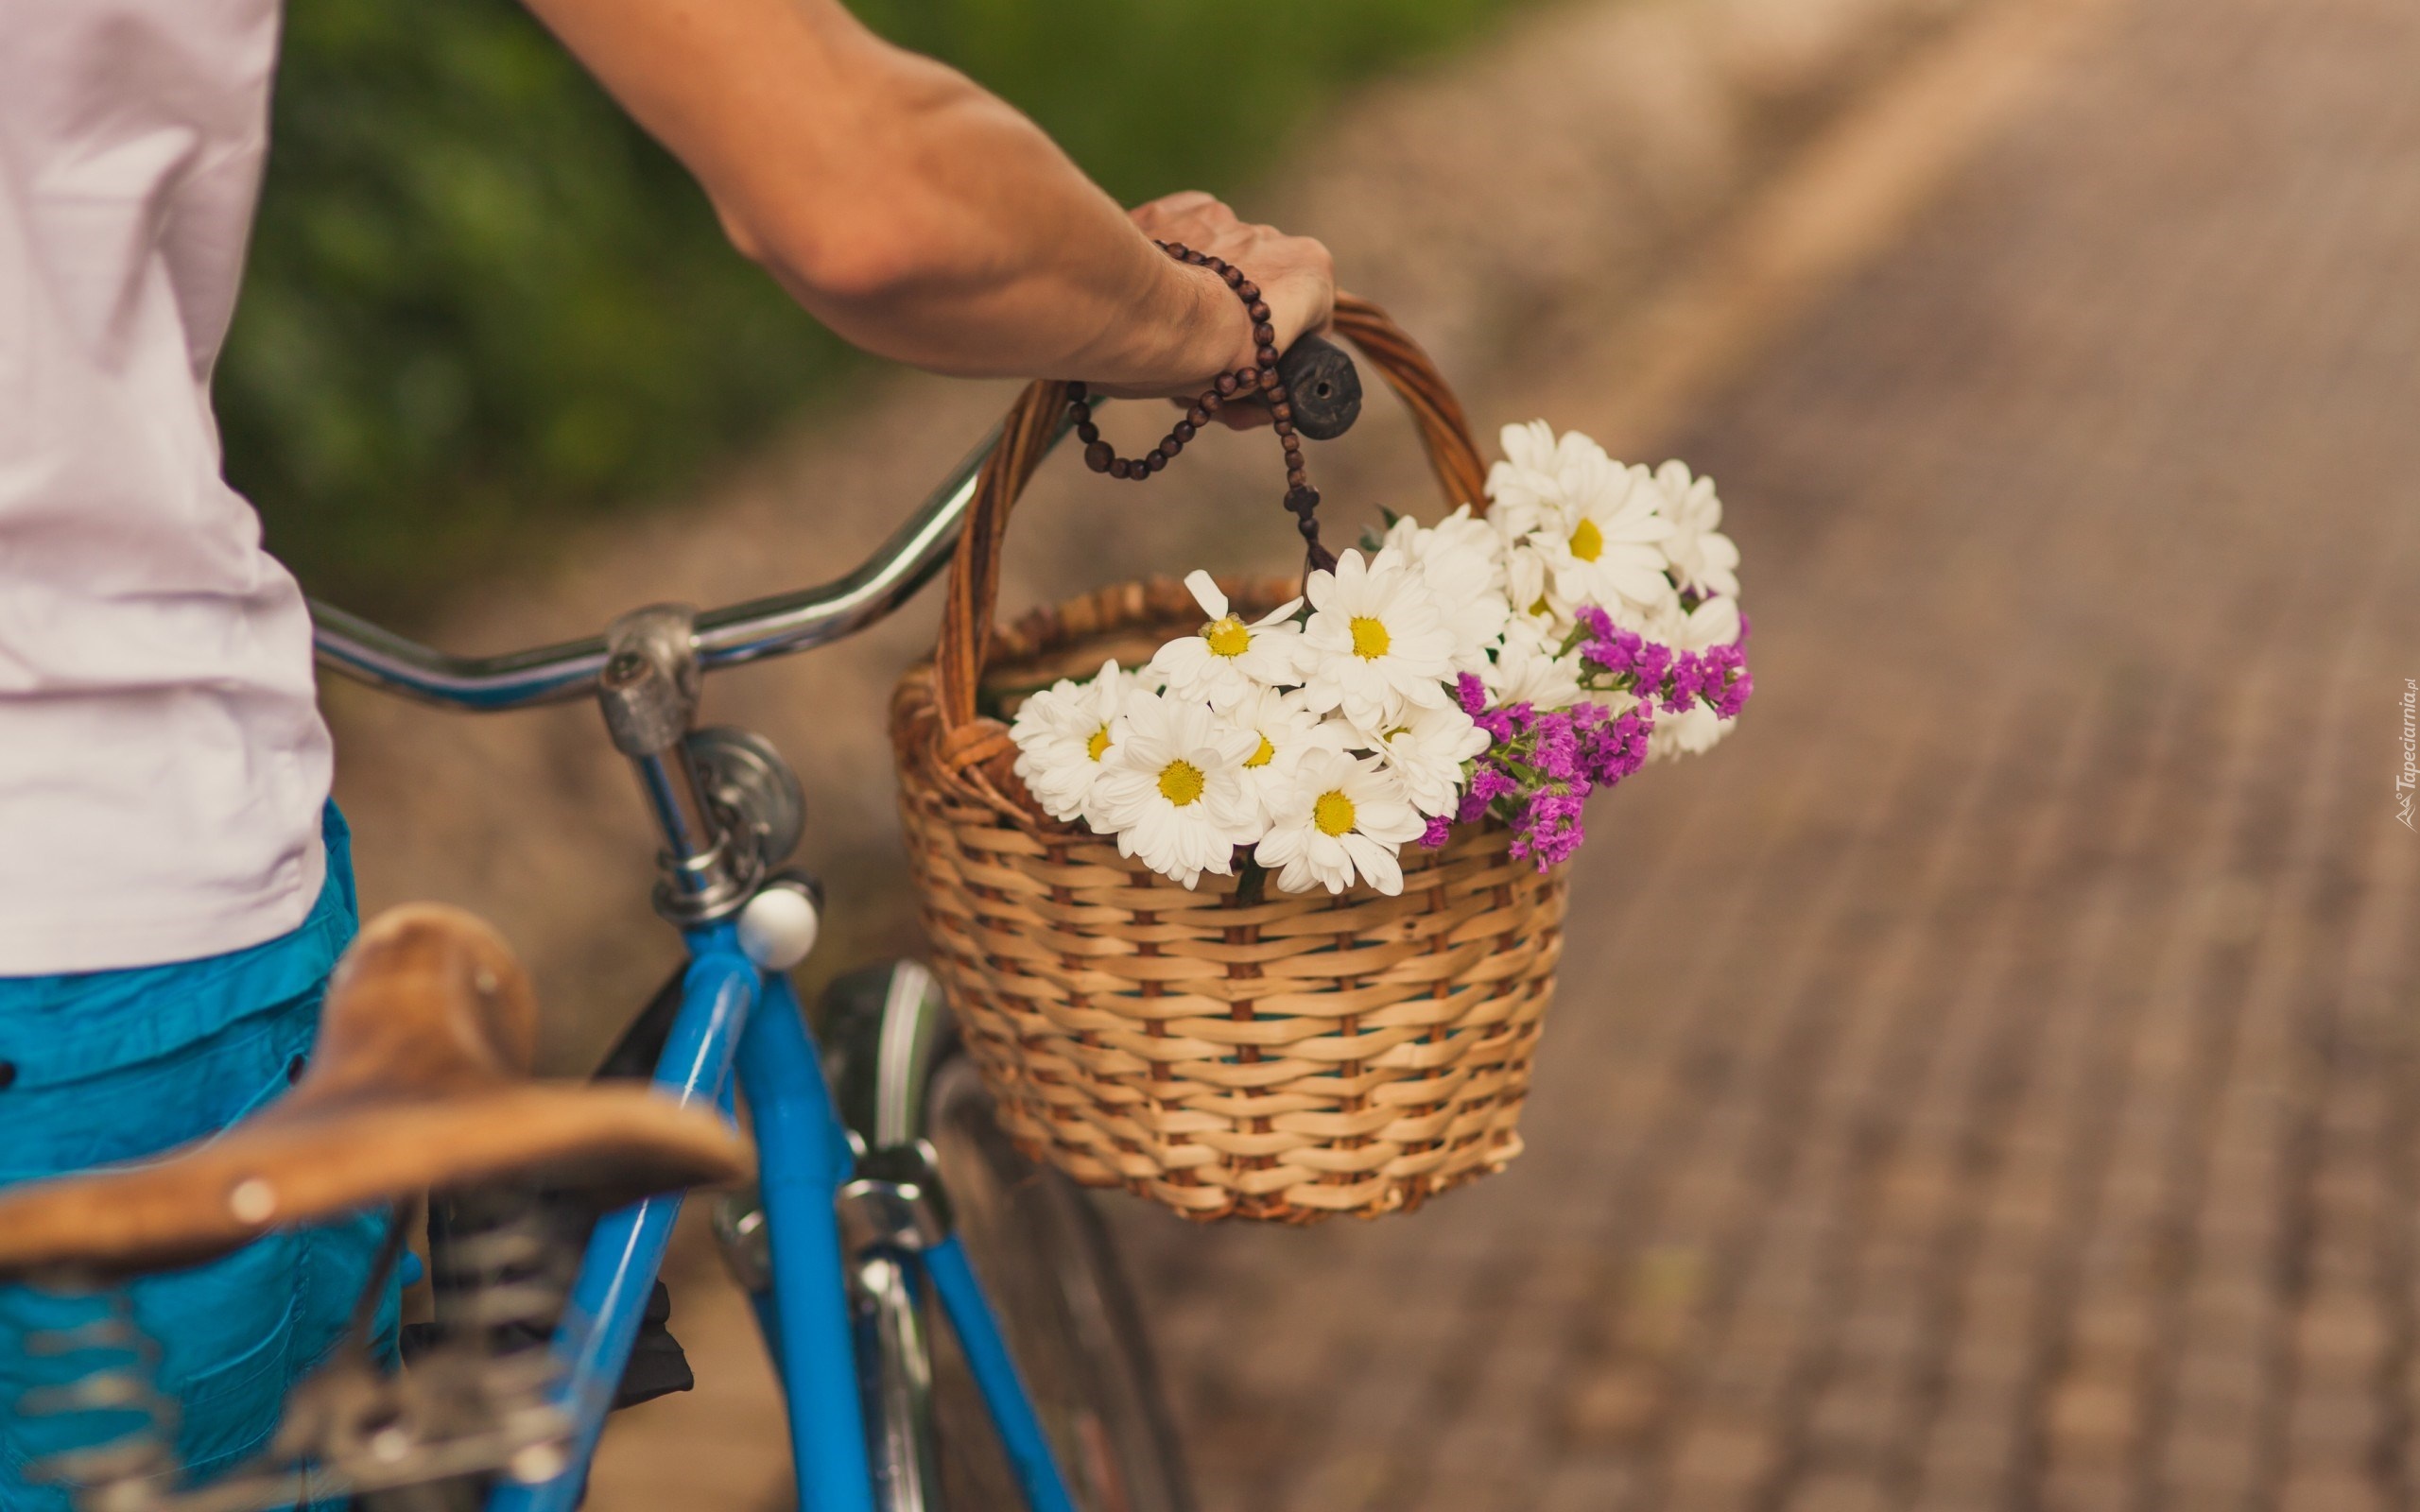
(1186, 328)
(1216, 337)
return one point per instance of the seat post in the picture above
(648, 691)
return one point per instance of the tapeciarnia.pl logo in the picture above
(2409, 778)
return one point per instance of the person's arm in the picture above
(920, 217)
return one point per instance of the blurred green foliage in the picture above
(480, 300)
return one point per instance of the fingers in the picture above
(1182, 202)
(1294, 274)
(1237, 414)
(1186, 216)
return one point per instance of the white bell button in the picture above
(778, 927)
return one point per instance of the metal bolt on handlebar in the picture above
(649, 694)
(651, 682)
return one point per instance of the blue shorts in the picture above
(119, 1065)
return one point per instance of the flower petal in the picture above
(1205, 592)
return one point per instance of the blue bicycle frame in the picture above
(738, 1023)
(739, 1027)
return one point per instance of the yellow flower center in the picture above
(1227, 637)
(1587, 542)
(1099, 743)
(1333, 813)
(1542, 607)
(1263, 756)
(1370, 638)
(1181, 783)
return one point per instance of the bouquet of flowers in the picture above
(1507, 664)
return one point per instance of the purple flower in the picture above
(1541, 767)
(1489, 782)
(1654, 660)
(1734, 696)
(1557, 752)
(1472, 694)
(1440, 829)
(1548, 830)
(1615, 651)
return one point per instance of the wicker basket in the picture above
(1285, 1058)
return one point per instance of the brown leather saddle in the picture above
(419, 1082)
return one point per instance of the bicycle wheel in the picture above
(1046, 1264)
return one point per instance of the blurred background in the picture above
(1985, 1081)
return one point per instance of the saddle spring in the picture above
(109, 1373)
(501, 1264)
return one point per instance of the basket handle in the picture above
(1033, 423)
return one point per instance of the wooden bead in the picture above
(1119, 467)
(1258, 311)
(1268, 355)
(1234, 276)
(1227, 384)
(1208, 404)
(1098, 455)
(1296, 477)
(1247, 290)
(1077, 393)
(1264, 332)
(1184, 430)
(1280, 410)
(1246, 377)
(1155, 459)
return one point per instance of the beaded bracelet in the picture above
(1261, 377)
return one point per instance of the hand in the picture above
(1297, 281)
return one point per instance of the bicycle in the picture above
(888, 1201)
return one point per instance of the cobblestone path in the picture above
(1989, 1080)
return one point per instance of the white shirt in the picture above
(163, 762)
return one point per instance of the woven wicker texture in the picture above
(1287, 1058)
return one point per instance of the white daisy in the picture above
(1342, 817)
(1702, 556)
(1426, 753)
(1605, 546)
(1525, 579)
(1229, 658)
(1530, 667)
(1375, 643)
(1461, 560)
(1172, 788)
(1062, 731)
(1714, 622)
(1543, 476)
(1285, 727)
(1690, 732)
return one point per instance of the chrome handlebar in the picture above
(353, 647)
(1324, 388)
